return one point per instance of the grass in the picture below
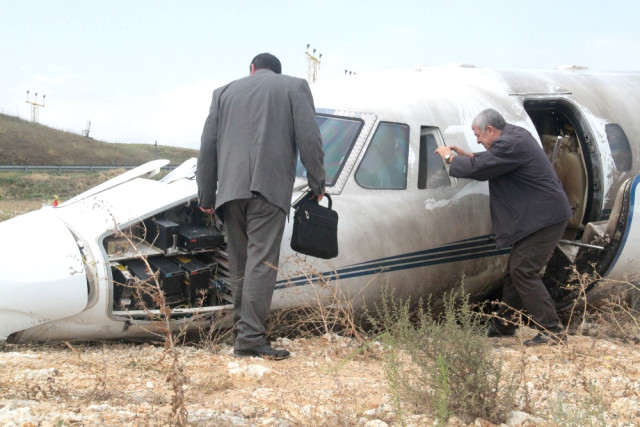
(27, 143)
(443, 363)
(24, 192)
(11, 208)
(44, 185)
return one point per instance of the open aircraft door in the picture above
(47, 280)
(624, 229)
(607, 252)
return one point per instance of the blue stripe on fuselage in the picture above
(462, 250)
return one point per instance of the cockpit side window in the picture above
(384, 165)
(338, 136)
(431, 171)
(620, 149)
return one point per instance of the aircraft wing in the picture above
(149, 169)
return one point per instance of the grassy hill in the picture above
(27, 143)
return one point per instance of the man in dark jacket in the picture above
(529, 211)
(256, 127)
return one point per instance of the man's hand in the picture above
(443, 151)
(208, 210)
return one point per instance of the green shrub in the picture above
(444, 363)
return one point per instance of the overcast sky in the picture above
(143, 71)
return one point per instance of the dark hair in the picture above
(489, 117)
(268, 61)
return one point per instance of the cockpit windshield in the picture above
(338, 136)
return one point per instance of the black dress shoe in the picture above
(265, 351)
(500, 331)
(545, 337)
(495, 333)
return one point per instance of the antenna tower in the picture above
(35, 112)
(313, 65)
(85, 132)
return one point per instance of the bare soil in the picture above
(328, 381)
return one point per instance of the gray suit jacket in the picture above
(255, 128)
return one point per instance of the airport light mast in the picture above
(86, 131)
(313, 65)
(35, 112)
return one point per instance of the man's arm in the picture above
(500, 159)
(449, 152)
(207, 168)
(307, 136)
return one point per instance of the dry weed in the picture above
(151, 288)
(323, 308)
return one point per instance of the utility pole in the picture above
(86, 131)
(35, 113)
(313, 65)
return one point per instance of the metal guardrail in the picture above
(60, 169)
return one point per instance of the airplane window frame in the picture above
(368, 175)
(333, 173)
(619, 146)
(427, 178)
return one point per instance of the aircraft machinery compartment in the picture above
(176, 258)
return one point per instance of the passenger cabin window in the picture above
(384, 165)
(338, 136)
(620, 149)
(431, 171)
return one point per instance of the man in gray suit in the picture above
(246, 169)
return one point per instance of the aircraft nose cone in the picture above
(42, 273)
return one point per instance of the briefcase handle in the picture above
(306, 197)
(328, 198)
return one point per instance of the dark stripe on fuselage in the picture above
(463, 250)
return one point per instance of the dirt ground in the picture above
(326, 382)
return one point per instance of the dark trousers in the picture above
(254, 233)
(523, 287)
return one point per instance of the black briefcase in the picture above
(315, 229)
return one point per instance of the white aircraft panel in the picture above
(46, 279)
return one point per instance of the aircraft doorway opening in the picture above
(565, 139)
